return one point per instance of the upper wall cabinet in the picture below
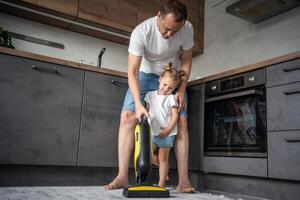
(69, 7)
(112, 20)
(112, 13)
(195, 16)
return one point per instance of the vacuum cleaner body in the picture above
(142, 166)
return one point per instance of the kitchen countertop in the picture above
(58, 61)
(227, 73)
(258, 65)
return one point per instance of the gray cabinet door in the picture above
(195, 127)
(40, 112)
(236, 165)
(102, 104)
(283, 107)
(195, 124)
(284, 151)
(283, 73)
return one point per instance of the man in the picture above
(153, 44)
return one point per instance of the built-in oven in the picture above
(235, 116)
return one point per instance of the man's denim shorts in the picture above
(148, 82)
(166, 142)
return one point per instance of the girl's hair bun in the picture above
(179, 75)
(169, 66)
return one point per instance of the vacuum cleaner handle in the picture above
(143, 150)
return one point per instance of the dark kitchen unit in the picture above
(86, 154)
(235, 119)
(235, 124)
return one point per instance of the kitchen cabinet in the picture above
(284, 160)
(111, 20)
(102, 104)
(236, 165)
(195, 16)
(195, 126)
(283, 73)
(283, 107)
(283, 120)
(68, 7)
(112, 13)
(40, 112)
(108, 20)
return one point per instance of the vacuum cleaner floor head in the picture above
(146, 191)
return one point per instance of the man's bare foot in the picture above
(188, 188)
(116, 184)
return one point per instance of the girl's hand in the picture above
(164, 133)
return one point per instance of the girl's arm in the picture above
(147, 106)
(174, 118)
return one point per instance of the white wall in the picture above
(77, 46)
(231, 42)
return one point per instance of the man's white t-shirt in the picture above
(160, 110)
(147, 41)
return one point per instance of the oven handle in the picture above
(238, 94)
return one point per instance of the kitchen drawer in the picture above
(284, 151)
(283, 107)
(283, 73)
(236, 165)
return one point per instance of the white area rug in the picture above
(87, 193)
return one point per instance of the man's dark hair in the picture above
(175, 7)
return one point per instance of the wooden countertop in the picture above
(227, 73)
(58, 61)
(246, 68)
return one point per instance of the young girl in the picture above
(163, 110)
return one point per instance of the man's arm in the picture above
(186, 65)
(134, 63)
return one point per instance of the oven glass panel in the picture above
(236, 125)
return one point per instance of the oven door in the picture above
(235, 124)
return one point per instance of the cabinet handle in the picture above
(290, 141)
(291, 69)
(117, 82)
(45, 69)
(290, 93)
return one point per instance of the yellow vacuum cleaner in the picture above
(142, 166)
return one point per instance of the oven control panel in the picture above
(232, 83)
(241, 81)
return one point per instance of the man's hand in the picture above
(181, 101)
(139, 111)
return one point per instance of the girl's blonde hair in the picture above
(172, 73)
